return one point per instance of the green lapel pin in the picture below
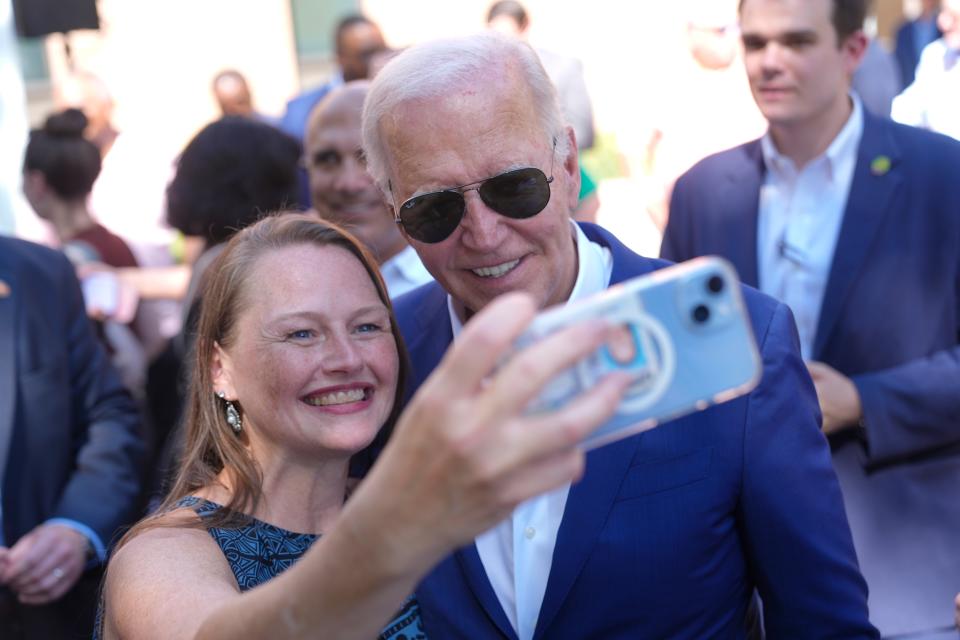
(880, 165)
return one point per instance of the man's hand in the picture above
(956, 610)
(839, 399)
(44, 564)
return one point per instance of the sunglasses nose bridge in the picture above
(470, 187)
(477, 199)
(480, 224)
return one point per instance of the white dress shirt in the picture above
(404, 272)
(933, 100)
(517, 554)
(799, 222)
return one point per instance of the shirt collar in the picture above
(406, 263)
(842, 150)
(594, 266)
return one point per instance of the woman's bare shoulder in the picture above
(163, 581)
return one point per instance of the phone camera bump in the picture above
(715, 284)
(700, 313)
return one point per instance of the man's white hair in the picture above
(442, 67)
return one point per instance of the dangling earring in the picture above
(233, 415)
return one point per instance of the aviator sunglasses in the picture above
(517, 194)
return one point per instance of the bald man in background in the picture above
(343, 192)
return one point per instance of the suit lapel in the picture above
(8, 366)
(740, 195)
(872, 195)
(476, 577)
(588, 506)
(591, 499)
(432, 337)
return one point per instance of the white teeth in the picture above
(337, 397)
(496, 271)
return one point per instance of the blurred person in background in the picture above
(357, 40)
(933, 100)
(88, 92)
(71, 453)
(913, 36)
(128, 199)
(232, 93)
(703, 102)
(299, 363)
(232, 173)
(851, 220)
(343, 192)
(60, 167)
(358, 43)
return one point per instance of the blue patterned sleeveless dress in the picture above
(258, 551)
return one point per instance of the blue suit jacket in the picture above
(70, 430)
(891, 321)
(669, 531)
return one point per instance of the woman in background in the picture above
(60, 167)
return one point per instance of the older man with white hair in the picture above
(669, 532)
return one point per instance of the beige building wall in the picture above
(159, 58)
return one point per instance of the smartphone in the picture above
(682, 333)
(101, 293)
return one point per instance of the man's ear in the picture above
(571, 166)
(854, 48)
(221, 373)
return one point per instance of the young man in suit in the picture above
(852, 221)
(668, 532)
(70, 449)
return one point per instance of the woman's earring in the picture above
(233, 415)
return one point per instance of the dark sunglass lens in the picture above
(432, 217)
(517, 194)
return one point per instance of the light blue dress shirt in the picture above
(517, 554)
(801, 210)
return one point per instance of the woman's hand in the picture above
(463, 454)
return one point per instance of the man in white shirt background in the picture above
(933, 100)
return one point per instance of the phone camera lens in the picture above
(701, 313)
(715, 284)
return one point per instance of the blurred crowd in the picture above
(822, 163)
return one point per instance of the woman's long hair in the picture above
(210, 444)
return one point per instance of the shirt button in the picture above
(529, 532)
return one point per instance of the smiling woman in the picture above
(298, 364)
(297, 351)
